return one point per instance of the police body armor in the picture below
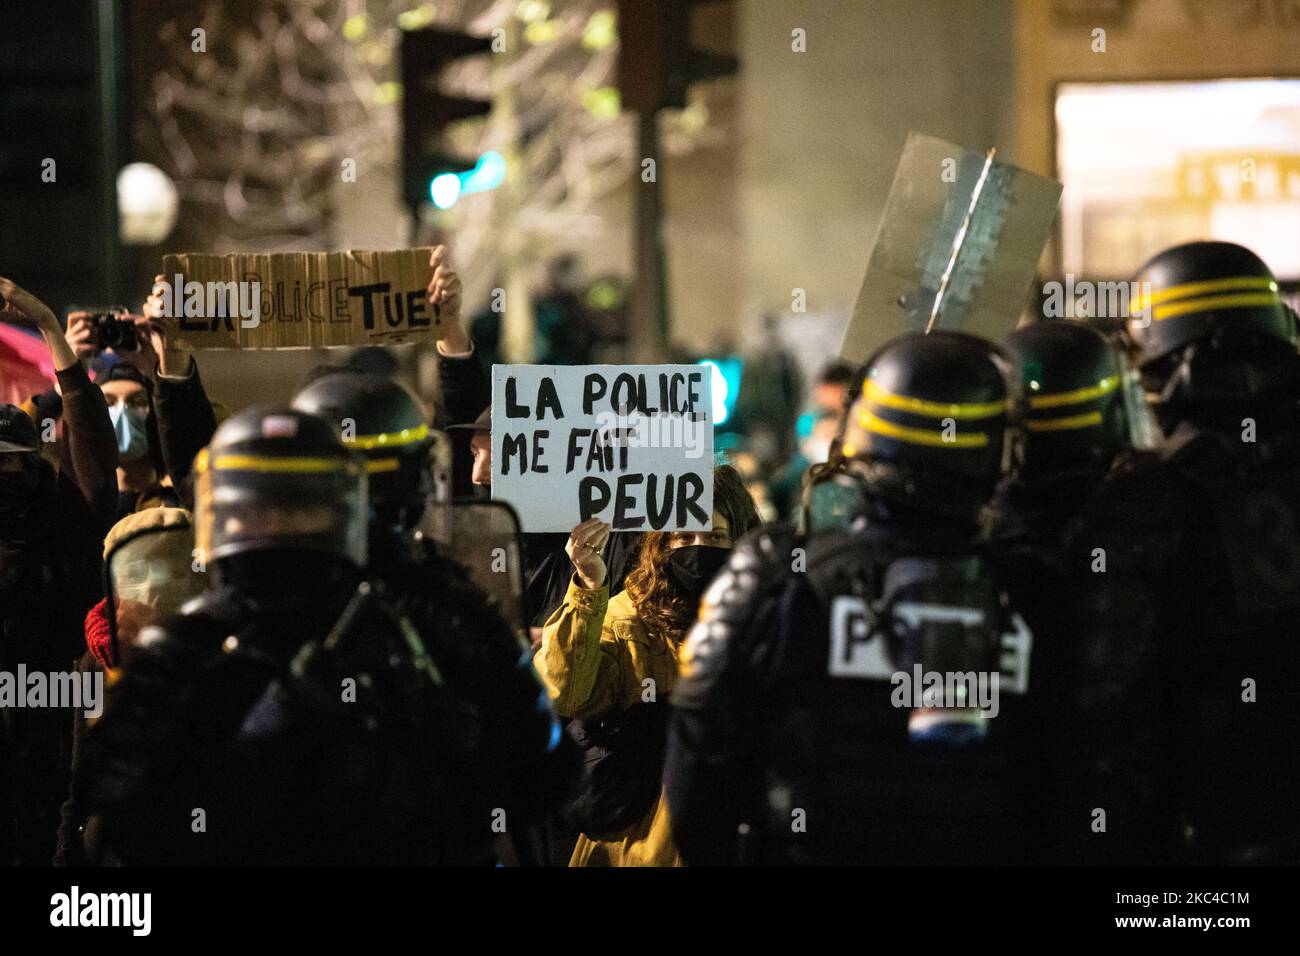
(474, 639)
(885, 765)
(1239, 568)
(1177, 733)
(302, 743)
(453, 570)
(1217, 349)
(291, 704)
(882, 682)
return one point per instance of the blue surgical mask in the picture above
(129, 427)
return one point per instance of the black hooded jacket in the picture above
(50, 546)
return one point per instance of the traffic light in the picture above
(427, 111)
(488, 173)
(726, 373)
(656, 62)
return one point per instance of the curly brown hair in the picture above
(661, 608)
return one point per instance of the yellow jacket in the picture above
(596, 657)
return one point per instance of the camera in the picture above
(114, 332)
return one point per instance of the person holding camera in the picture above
(161, 415)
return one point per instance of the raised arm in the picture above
(580, 672)
(16, 303)
(89, 447)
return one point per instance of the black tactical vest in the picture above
(1234, 674)
(877, 752)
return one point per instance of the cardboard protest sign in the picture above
(630, 444)
(290, 300)
(957, 222)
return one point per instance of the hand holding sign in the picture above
(584, 548)
(162, 332)
(444, 293)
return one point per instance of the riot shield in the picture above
(149, 576)
(485, 540)
(957, 247)
(436, 520)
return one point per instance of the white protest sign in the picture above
(632, 444)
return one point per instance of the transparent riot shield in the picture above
(480, 534)
(149, 576)
(436, 521)
(485, 540)
(957, 247)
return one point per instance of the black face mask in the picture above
(285, 578)
(693, 567)
(26, 497)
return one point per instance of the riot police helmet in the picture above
(929, 425)
(280, 482)
(1081, 402)
(382, 421)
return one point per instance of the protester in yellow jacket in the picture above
(600, 656)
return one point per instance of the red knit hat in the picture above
(99, 640)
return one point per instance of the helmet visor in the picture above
(150, 576)
(246, 503)
(1143, 430)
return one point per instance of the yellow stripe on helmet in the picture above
(919, 436)
(1241, 300)
(407, 436)
(381, 465)
(1086, 420)
(265, 463)
(1189, 289)
(1085, 394)
(920, 406)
